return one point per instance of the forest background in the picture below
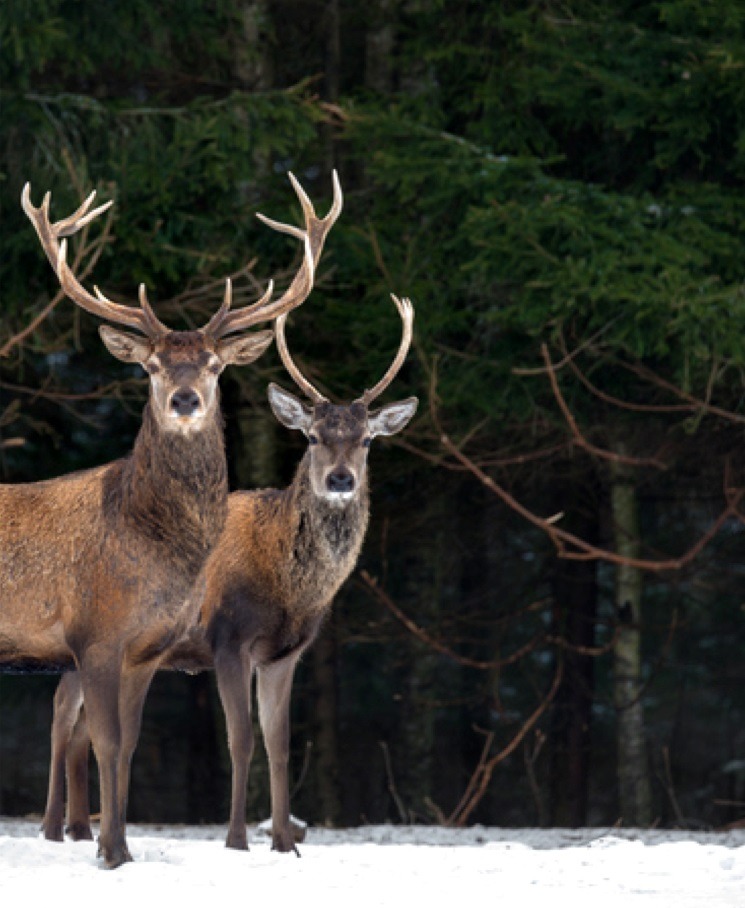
(546, 623)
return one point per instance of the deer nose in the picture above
(341, 480)
(185, 401)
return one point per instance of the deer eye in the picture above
(215, 368)
(152, 368)
(313, 439)
(366, 442)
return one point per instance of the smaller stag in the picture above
(102, 571)
(280, 561)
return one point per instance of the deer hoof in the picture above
(239, 842)
(79, 832)
(115, 856)
(284, 843)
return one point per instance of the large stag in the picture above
(270, 582)
(100, 570)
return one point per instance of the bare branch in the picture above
(692, 404)
(485, 664)
(392, 783)
(570, 546)
(695, 403)
(577, 435)
(481, 777)
(437, 645)
(86, 250)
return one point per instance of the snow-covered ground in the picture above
(387, 866)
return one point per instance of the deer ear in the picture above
(392, 418)
(290, 411)
(129, 348)
(242, 350)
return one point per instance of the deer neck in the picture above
(174, 487)
(333, 530)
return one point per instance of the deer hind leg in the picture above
(78, 803)
(274, 689)
(100, 673)
(234, 686)
(68, 699)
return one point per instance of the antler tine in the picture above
(213, 324)
(78, 219)
(217, 326)
(406, 311)
(54, 243)
(155, 326)
(309, 211)
(300, 380)
(313, 236)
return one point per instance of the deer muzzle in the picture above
(340, 483)
(185, 403)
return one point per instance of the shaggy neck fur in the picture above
(327, 538)
(173, 489)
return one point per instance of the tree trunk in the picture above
(252, 441)
(325, 735)
(575, 607)
(379, 44)
(252, 62)
(333, 51)
(206, 782)
(416, 752)
(332, 76)
(635, 796)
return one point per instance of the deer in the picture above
(101, 571)
(270, 582)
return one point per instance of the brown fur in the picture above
(99, 568)
(103, 571)
(103, 548)
(269, 584)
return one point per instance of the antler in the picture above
(144, 319)
(297, 376)
(313, 237)
(405, 310)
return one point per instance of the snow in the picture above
(385, 866)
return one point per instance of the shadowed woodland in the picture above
(547, 620)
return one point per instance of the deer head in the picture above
(339, 436)
(183, 366)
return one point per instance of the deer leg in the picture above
(234, 686)
(100, 672)
(68, 699)
(274, 689)
(135, 685)
(78, 803)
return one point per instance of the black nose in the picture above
(185, 401)
(340, 480)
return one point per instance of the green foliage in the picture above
(165, 128)
(31, 34)
(626, 92)
(185, 179)
(534, 173)
(112, 50)
(499, 254)
(624, 222)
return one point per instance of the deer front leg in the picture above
(100, 673)
(274, 689)
(135, 684)
(68, 698)
(234, 686)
